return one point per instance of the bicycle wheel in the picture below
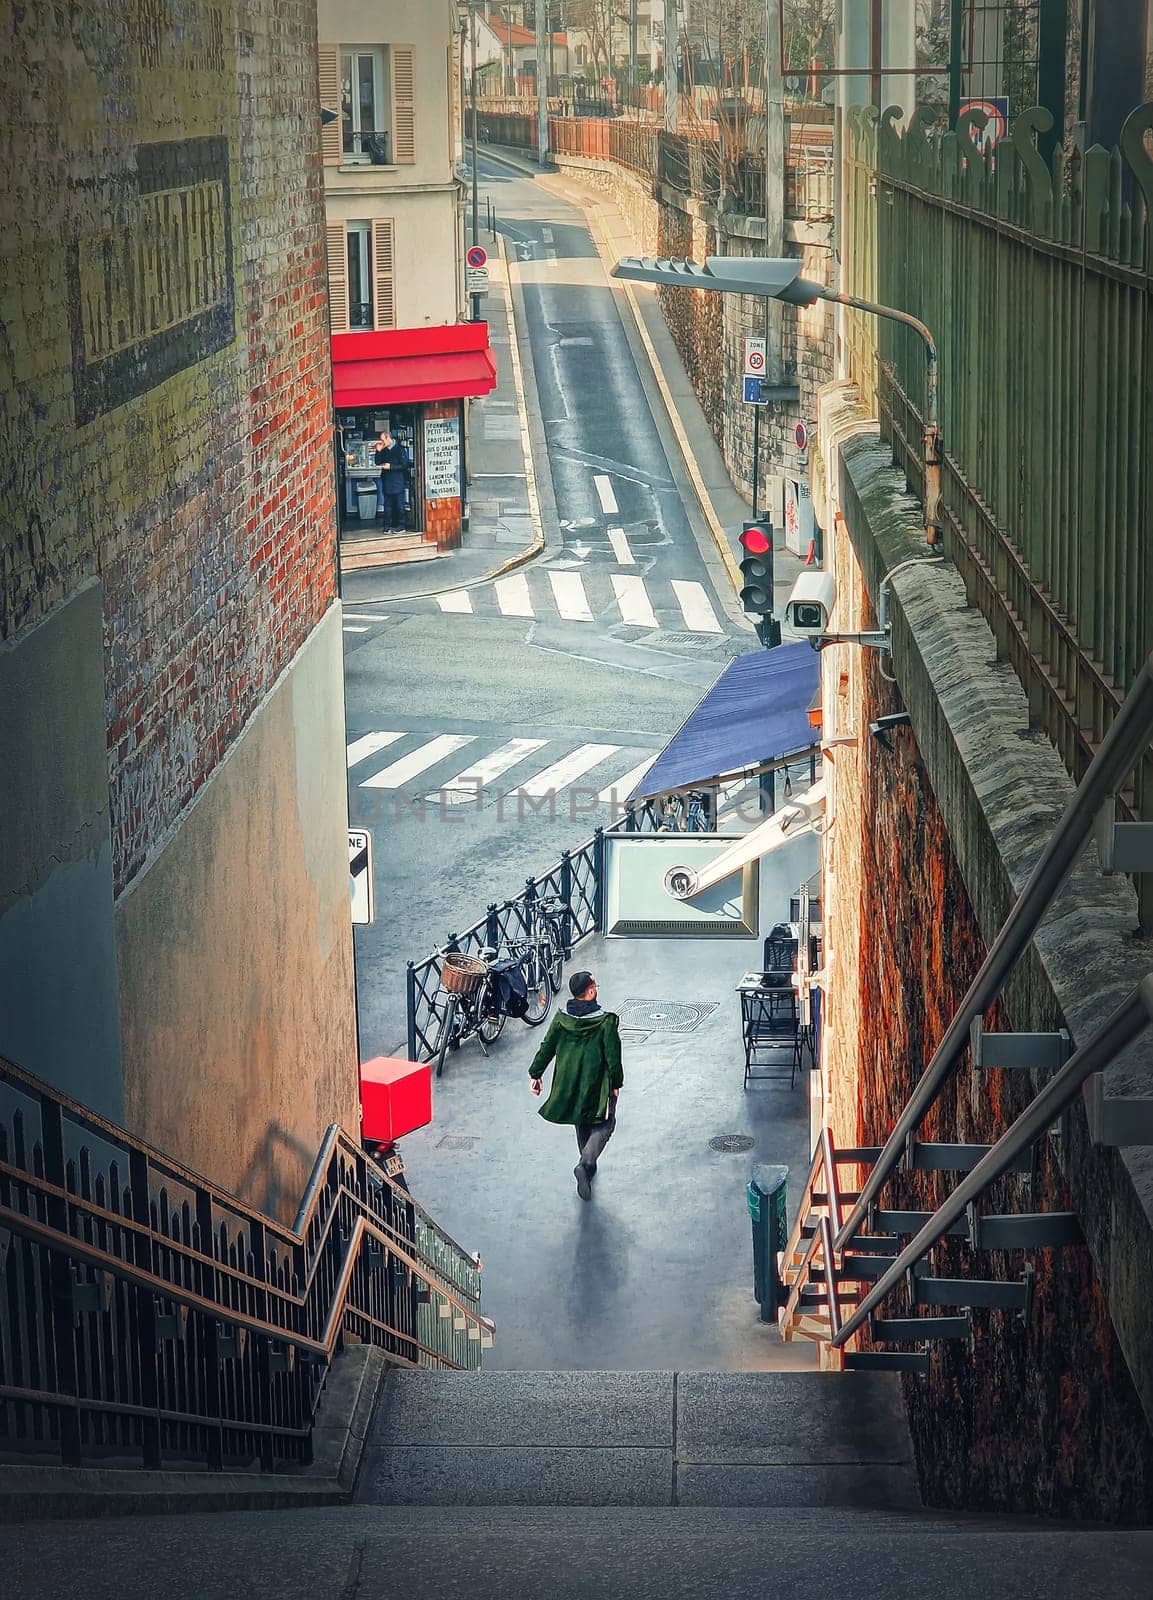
(539, 989)
(491, 1019)
(553, 952)
(447, 1034)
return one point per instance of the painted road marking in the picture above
(512, 596)
(695, 607)
(621, 547)
(633, 600)
(361, 749)
(367, 616)
(468, 784)
(569, 593)
(617, 793)
(349, 628)
(568, 769)
(417, 761)
(605, 495)
(455, 600)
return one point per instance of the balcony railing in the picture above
(372, 147)
(360, 314)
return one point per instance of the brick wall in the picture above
(166, 416)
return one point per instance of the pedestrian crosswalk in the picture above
(429, 764)
(638, 600)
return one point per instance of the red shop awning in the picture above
(408, 365)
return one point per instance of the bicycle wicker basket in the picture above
(461, 974)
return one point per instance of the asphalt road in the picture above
(488, 728)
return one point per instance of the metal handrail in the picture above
(826, 1235)
(1129, 734)
(1131, 1017)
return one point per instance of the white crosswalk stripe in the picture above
(455, 600)
(467, 785)
(605, 495)
(633, 600)
(417, 761)
(512, 596)
(350, 627)
(621, 549)
(569, 592)
(361, 749)
(696, 607)
(568, 769)
(618, 792)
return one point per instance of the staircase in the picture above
(360, 552)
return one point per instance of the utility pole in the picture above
(672, 65)
(541, 86)
(475, 173)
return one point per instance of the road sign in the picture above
(477, 256)
(754, 358)
(801, 436)
(996, 109)
(476, 280)
(753, 392)
(360, 875)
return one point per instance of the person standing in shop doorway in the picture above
(394, 461)
(585, 1043)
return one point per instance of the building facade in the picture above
(404, 357)
(175, 945)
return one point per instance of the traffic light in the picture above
(756, 540)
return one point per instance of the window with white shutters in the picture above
(337, 277)
(331, 139)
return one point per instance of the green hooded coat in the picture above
(588, 1067)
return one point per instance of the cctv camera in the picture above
(811, 603)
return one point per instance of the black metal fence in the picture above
(577, 881)
(147, 1317)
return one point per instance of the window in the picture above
(370, 91)
(361, 290)
(359, 243)
(364, 127)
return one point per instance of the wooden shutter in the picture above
(383, 278)
(403, 58)
(337, 243)
(331, 140)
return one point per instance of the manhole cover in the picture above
(665, 1016)
(731, 1144)
(458, 1141)
(692, 641)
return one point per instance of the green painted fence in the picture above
(1036, 281)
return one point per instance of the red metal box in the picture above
(395, 1097)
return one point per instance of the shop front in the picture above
(411, 383)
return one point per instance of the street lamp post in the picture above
(475, 172)
(778, 278)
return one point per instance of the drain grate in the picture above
(731, 1144)
(691, 641)
(665, 1016)
(634, 1035)
(458, 1141)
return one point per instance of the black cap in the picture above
(579, 983)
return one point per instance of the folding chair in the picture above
(769, 1025)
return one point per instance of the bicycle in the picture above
(472, 1007)
(542, 955)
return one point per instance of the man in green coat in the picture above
(586, 1044)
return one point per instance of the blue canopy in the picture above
(757, 712)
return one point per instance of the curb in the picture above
(536, 548)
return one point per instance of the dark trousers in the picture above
(393, 507)
(592, 1137)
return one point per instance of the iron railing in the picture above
(577, 881)
(368, 145)
(1037, 279)
(148, 1317)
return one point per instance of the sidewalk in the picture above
(505, 528)
(655, 1272)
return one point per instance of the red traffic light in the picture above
(756, 540)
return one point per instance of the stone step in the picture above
(368, 553)
(640, 1439)
(574, 1553)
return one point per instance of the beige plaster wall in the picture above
(235, 952)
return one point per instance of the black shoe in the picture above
(582, 1175)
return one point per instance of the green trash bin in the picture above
(767, 1196)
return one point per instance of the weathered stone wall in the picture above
(922, 860)
(166, 421)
